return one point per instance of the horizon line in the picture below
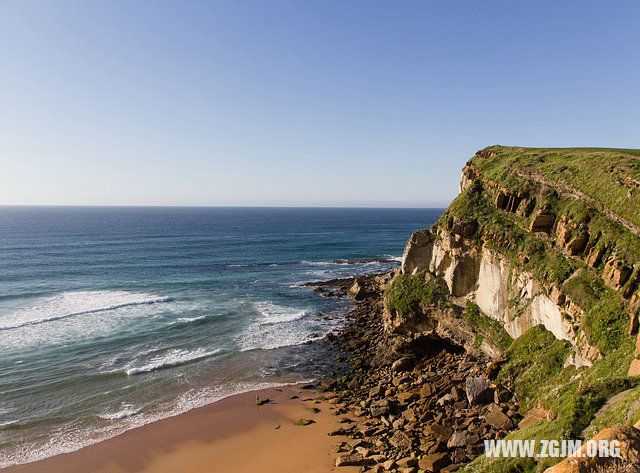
(430, 206)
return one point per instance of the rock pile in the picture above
(416, 406)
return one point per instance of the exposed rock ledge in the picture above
(513, 297)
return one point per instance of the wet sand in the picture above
(233, 434)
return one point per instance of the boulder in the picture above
(351, 459)
(498, 419)
(380, 408)
(401, 441)
(462, 439)
(356, 291)
(439, 432)
(478, 391)
(433, 462)
(634, 369)
(403, 364)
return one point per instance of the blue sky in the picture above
(299, 102)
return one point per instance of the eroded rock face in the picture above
(507, 294)
(417, 252)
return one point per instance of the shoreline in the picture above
(232, 434)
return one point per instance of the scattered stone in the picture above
(352, 459)
(304, 422)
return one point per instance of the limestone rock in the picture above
(417, 253)
(478, 391)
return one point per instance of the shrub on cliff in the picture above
(487, 327)
(409, 292)
(606, 325)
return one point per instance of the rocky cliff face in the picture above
(514, 244)
(540, 255)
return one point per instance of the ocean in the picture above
(111, 318)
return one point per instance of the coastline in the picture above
(233, 434)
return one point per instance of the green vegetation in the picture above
(409, 292)
(535, 372)
(545, 261)
(604, 174)
(533, 358)
(607, 320)
(614, 412)
(606, 325)
(487, 327)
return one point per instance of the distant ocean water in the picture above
(111, 318)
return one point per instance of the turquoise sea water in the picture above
(111, 318)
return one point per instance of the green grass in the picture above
(535, 372)
(533, 359)
(487, 327)
(607, 320)
(596, 172)
(408, 293)
(613, 414)
(606, 325)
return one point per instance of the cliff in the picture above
(544, 239)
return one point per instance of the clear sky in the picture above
(299, 102)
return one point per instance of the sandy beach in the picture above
(233, 434)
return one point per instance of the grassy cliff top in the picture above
(609, 176)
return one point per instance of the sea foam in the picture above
(70, 304)
(171, 358)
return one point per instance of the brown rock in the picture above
(439, 432)
(542, 223)
(595, 256)
(634, 369)
(407, 462)
(533, 416)
(400, 440)
(629, 438)
(433, 462)
(616, 274)
(352, 459)
(497, 418)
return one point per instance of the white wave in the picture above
(171, 358)
(277, 326)
(71, 304)
(189, 319)
(126, 410)
(276, 314)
